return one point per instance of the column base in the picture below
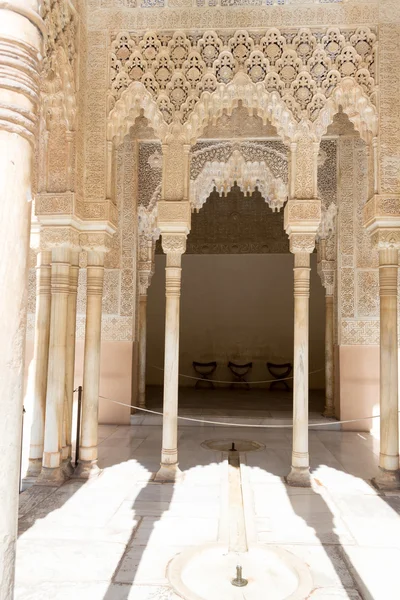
(86, 469)
(387, 480)
(52, 477)
(67, 467)
(168, 473)
(299, 477)
(142, 401)
(34, 467)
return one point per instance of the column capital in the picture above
(174, 216)
(174, 243)
(95, 241)
(59, 236)
(382, 220)
(302, 243)
(326, 271)
(144, 282)
(302, 218)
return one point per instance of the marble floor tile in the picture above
(112, 537)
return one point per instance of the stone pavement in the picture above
(112, 538)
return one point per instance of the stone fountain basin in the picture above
(205, 573)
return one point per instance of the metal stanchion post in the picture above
(78, 425)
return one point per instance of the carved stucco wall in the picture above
(107, 17)
(357, 263)
(119, 292)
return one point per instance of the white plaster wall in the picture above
(235, 307)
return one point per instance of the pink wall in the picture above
(356, 382)
(115, 378)
(358, 385)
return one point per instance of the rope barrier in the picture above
(227, 424)
(237, 382)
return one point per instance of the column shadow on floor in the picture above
(125, 573)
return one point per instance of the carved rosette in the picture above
(382, 220)
(302, 218)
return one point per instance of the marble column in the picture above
(52, 472)
(329, 356)
(142, 348)
(300, 471)
(388, 476)
(21, 39)
(88, 451)
(144, 282)
(40, 360)
(174, 246)
(70, 361)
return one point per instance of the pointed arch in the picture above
(349, 95)
(269, 106)
(134, 102)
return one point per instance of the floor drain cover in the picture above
(226, 445)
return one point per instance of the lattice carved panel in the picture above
(303, 68)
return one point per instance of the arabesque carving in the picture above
(187, 79)
(247, 175)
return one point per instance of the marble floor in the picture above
(112, 538)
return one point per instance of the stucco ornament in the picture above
(328, 222)
(248, 175)
(286, 79)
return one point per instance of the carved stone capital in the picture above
(382, 220)
(301, 220)
(326, 271)
(384, 239)
(302, 242)
(146, 249)
(58, 236)
(96, 241)
(174, 243)
(144, 282)
(173, 217)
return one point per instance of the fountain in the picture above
(236, 570)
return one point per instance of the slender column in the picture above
(40, 360)
(388, 476)
(70, 360)
(329, 362)
(142, 348)
(20, 51)
(300, 472)
(88, 453)
(144, 282)
(326, 270)
(51, 469)
(174, 246)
